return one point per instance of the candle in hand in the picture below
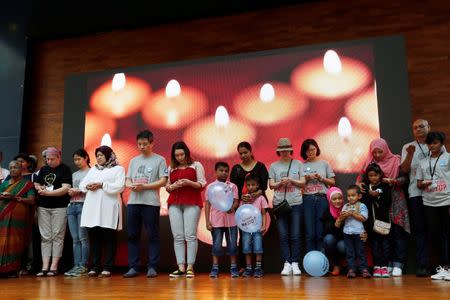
(218, 136)
(345, 151)
(331, 77)
(174, 107)
(269, 103)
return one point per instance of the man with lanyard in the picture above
(412, 154)
(433, 177)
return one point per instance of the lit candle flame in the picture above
(221, 117)
(106, 140)
(267, 93)
(173, 89)
(344, 128)
(332, 63)
(118, 82)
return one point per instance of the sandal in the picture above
(52, 273)
(42, 273)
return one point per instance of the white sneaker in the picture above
(390, 270)
(287, 269)
(295, 269)
(447, 277)
(397, 272)
(441, 273)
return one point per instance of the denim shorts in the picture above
(231, 238)
(252, 243)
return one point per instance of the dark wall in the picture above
(13, 51)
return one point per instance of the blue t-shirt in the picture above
(353, 226)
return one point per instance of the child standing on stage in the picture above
(354, 214)
(253, 242)
(220, 223)
(378, 200)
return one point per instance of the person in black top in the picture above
(378, 200)
(53, 183)
(333, 240)
(238, 174)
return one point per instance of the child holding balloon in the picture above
(252, 241)
(221, 203)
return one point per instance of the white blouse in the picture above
(103, 207)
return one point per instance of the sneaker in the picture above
(151, 273)
(295, 269)
(287, 269)
(104, 274)
(234, 272)
(131, 273)
(384, 272)
(422, 272)
(365, 273)
(390, 269)
(190, 273)
(248, 272)
(351, 274)
(258, 273)
(214, 273)
(441, 273)
(92, 273)
(397, 272)
(377, 272)
(80, 272)
(71, 272)
(447, 277)
(177, 273)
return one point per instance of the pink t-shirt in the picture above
(219, 218)
(259, 203)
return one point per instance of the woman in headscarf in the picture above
(333, 240)
(16, 217)
(389, 163)
(102, 208)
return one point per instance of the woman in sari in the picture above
(16, 217)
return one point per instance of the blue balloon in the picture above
(220, 196)
(316, 263)
(248, 218)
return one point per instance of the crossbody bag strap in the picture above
(287, 175)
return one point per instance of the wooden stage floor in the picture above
(202, 287)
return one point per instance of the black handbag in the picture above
(283, 207)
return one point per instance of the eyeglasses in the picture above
(421, 126)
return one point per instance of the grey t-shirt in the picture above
(279, 170)
(76, 179)
(437, 194)
(146, 170)
(322, 168)
(420, 153)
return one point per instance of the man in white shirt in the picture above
(412, 154)
(3, 172)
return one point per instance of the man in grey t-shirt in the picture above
(146, 174)
(412, 154)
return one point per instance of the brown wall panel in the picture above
(426, 28)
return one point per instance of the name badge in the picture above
(433, 184)
(49, 188)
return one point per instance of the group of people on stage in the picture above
(377, 211)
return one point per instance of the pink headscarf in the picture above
(389, 163)
(333, 210)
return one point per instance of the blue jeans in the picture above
(416, 211)
(138, 214)
(252, 243)
(79, 234)
(231, 237)
(355, 250)
(314, 206)
(334, 248)
(289, 229)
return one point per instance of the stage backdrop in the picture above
(341, 94)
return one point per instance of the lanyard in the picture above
(432, 171)
(421, 149)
